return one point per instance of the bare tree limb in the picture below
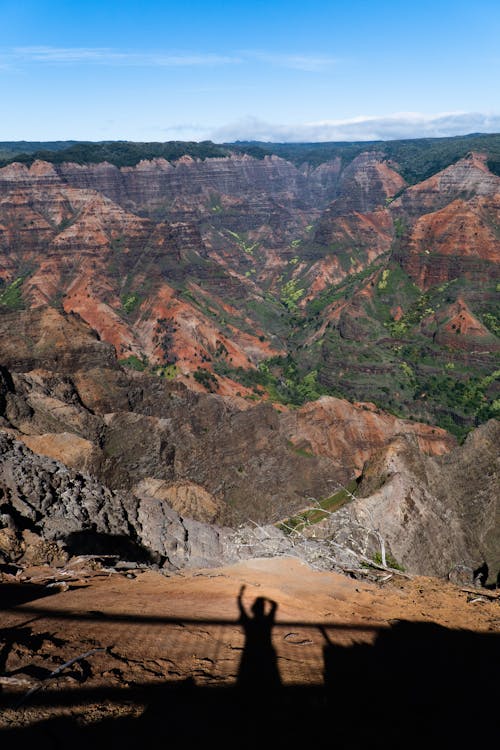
(386, 568)
(55, 673)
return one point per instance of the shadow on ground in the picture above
(418, 683)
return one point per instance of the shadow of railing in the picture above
(411, 682)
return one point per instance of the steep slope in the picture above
(457, 241)
(436, 516)
(123, 275)
(467, 178)
(154, 437)
(412, 304)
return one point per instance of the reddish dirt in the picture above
(162, 628)
(351, 433)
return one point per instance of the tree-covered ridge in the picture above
(417, 159)
(119, 153)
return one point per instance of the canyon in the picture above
(248, 368)
(236, 337)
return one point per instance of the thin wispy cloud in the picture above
(313, 63)
(307, 62)
(362, 128)
(108, 56)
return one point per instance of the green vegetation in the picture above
(390, 561)
(324, 508)
(242, 242)
(279, 377)
(134, 363)
(12, 296)
(344, 290)
(290, 294)
(206, 378)
(492, 322)
(119, 153)
(474, 397)
(382, 284)
(169, 372)
(399, 227)
(417, 312)
(417, 158)
(299, 450)
(214, 203)
(130, 302)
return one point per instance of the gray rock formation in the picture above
(48, 512)
(436, 515)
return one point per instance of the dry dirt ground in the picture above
(172, 657)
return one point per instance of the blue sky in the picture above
(276, 70)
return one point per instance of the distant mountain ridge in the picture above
(418, 158)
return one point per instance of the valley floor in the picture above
(176, 658)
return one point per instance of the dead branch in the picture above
(482, 592)
(385, 567)
(55, 673)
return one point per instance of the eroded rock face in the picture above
(44, 338)
(209, 457)
(366, 183)
(468, 178)
(159, 181)
(435, 514)
(49, 512)
(54, 504)
(351, 433)
(459, 240)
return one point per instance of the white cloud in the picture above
(362, 128)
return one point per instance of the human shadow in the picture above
(258, 670)
(416, 684)
(403, 684)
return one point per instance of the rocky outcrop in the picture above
(159, 182)
(81, 516)
(48, 512)
(209, 457)
(467, 178)
(44, 338)
(432, 519)
(366, 184)
(351, 433)
(457, 241)
(456, 328)
(169, 437)
(434, 514)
